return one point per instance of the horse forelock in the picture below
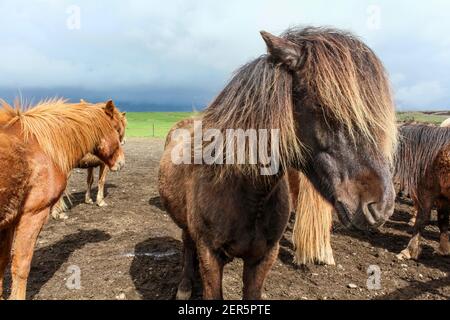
(344, 76)
(339, 73)
(65, 132)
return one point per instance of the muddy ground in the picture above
(131, 250)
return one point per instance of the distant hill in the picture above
(434, 117)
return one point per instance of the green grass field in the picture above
(421, 117)
(153, 124)
(158, 124)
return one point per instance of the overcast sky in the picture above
(182, 52)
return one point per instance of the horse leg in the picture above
(443, 222)
(26, 233)
(412, 221)
(189, 265)
(101, 185)
(211, 270)
(59, 209)
(90, 181)
(413, 249)
(255, 274)
(6, 236)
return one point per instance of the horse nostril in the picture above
(377, 215)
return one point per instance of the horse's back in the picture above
(13, 178)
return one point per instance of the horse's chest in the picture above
(47, 183)
(247, 230)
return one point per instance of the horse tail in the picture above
(13, 179)
(312, 229)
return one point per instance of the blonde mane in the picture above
(64, 131)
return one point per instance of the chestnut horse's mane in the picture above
(65, 131)
(419, 145)
(338, 73)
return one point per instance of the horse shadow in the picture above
(416, 288)
(156, 268)
(77, 198)
(400, 221)
(48, 260)
(394, 243)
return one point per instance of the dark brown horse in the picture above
(422, 166)
(327, 96)
(38, 149)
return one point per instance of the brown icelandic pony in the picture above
(422, 165)
(328, 95)
(38, 148)
(90, 162)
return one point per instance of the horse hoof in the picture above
(442, 252)
(412, 222)
(57, 215)
(88, 201)
(102, 203)
(183, 294)
(63, 216)
(404, 255)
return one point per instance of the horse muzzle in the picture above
(118, 165)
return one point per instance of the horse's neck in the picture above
(16, 129)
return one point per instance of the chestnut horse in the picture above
(423, 166)
(38, 149)
(90, 162)
(325, 98)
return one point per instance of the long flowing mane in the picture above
(65, 131)
(418, 148)
(258, 97)
(339, 73)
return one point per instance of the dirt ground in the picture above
(132, 250)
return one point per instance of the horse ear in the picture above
(282, 50)
(124, 114)
(109, 108)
